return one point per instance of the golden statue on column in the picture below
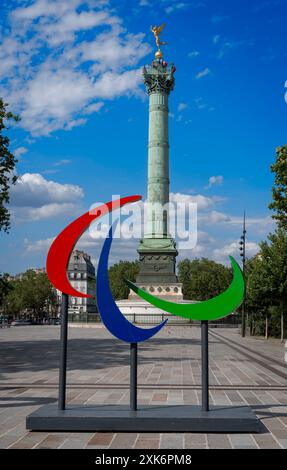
(156, 30)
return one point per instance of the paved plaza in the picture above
(248, 371)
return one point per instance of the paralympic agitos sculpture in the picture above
(181, 418)
(113, 319)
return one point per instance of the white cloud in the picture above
(200, 104)
(112, 51)
(51, 99)
(35, 198)
(193, 54)
(122, 249)
(220, 254)
(94, 107)
(214, 217)
(42, 8)
(203, 73)
(60, 20)
(225, 46)
(85, 242)
(61, 59)
(175, 6)
(75, 123)
(47, 211)
(33, 190)
(181, 107)
(258, 225)
(37, 246)
(112, 84)
(202, 202)
(63, 162)
(20, 151)
(215, 181)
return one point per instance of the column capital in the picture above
(159, 77)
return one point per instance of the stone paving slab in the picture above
(249, 371)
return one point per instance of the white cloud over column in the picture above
(35, 198)
(61, 58)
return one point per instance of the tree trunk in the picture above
(266, 327)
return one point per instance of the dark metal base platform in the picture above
(119, 418)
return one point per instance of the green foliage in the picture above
(117, 275)
(257, 323)
(202, 278)
(4, 287)
(7, 165)
(12, 303)
(274, 259)
(258, 293)
(31, 295)
(267, 281)
(267, 273)
(279, 190)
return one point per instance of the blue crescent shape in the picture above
(111, 316)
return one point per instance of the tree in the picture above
(274, 256)
(279, 189)
(4, 287)
(258, 297)
(13, 302)
(117, 275)
(33, 294)
(38, 293)
(202, 278)
(7, 165)
(267, 283)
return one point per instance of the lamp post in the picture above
(242, 248)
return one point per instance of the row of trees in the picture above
(267, 273)
(266, 277)
(202, 278)
(30, 296)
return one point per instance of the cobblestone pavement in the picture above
(247, 371)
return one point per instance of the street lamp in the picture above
(242, 249)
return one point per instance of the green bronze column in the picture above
(157, 250)
(159, 82)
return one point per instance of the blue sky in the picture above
(72, 70)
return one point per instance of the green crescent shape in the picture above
(212, 309)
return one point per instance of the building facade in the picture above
(81, 275)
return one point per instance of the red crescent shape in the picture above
(62, 247)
